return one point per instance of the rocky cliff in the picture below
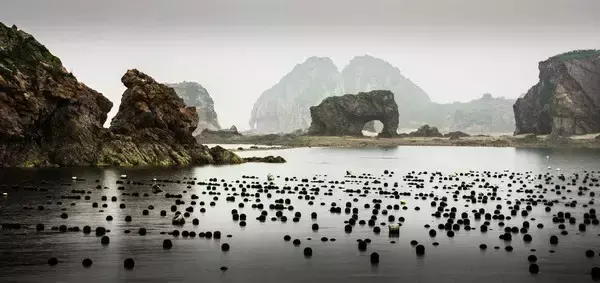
(46, 115)
(48, 118)
(285, 106)
(194, 94)
(347, 114)
(566, 100)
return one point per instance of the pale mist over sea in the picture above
(453, 50)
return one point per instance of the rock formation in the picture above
(566, 100)
(347, 114)
(285, 106)
(48, 118)
(194, 94)
(154, 126)
(426, 131)
(46, 115)
(223, 134)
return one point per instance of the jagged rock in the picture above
(46, 115)
(347, 114)
(49, 118)
(427, 132)
(367, 73)
(194, 94)
(266, 159)
(566, 100)
(285, 106)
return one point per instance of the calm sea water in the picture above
(258, 252)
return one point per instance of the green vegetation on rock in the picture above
(576, 55)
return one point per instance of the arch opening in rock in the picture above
(372, 128)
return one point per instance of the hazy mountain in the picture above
(194, 94)
(285, 106)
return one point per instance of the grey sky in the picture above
(454, 50)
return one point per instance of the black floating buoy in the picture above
(589, 253)
(167, 244)
(287, 238)
(142, 231)
(420, 250)
(374, 258)
(534, 268)
(129, 263)
(87, 229)
(224, 268)
(553, 240)
(595, 273)
(308, 252)
(296, 242)
(315, 227)
(362, 246)
(225, 247)
(39, 227)
(53, 261)
(483, 246)
(532, 258)
(105, 240)
(86, 262)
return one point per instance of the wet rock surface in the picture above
(347, 114)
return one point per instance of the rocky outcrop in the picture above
(154, 127)
(566, 100)
(46, 115)
(426, 131)
(347, 114)
(456, 135)
(221, 134)
(285, 106)
(195, 95)
(48, 118)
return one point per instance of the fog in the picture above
(454, 50)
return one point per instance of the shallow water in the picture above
(259, 253)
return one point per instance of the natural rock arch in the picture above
(347, 114)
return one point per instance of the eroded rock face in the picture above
(347, 114)
(194, 94)
(46, 115)
(566, 100)
(285, 107)
(154, 127)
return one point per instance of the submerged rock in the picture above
(347, 114)
(266, 159)
(566, 99)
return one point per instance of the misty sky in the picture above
(455, 50)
